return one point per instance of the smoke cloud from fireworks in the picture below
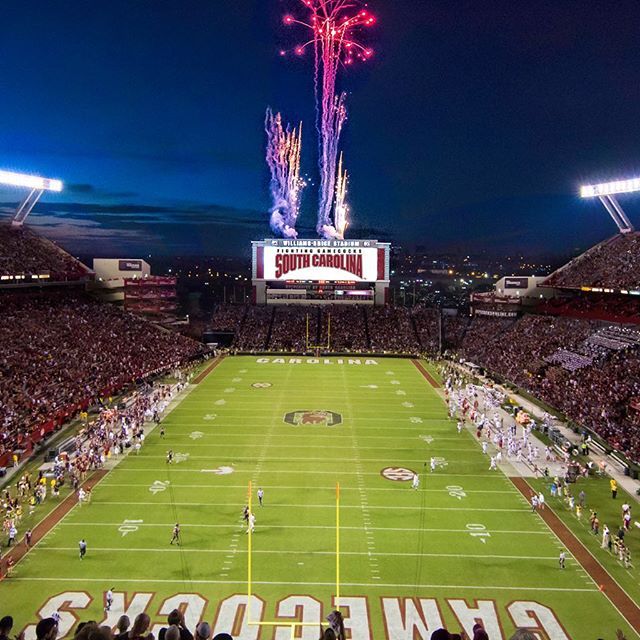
(283, 157)
(335, 26)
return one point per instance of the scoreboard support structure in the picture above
(320, 272)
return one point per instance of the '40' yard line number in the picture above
(478, 531)
(456, 492)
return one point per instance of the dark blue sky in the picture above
(472, 126)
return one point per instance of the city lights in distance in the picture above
(610, 188)
(30, 182)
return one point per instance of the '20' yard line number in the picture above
(456, 492)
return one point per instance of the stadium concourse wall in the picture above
(38, 433)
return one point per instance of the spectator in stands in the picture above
(176, 619)
(47, 629)
(140, 627)
(203, 631)
(122, 627)
(6, 624)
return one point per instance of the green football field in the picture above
(463, 546)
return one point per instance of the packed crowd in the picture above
(427, 324)
(348, 328)
(60, 354)
(23, 253)
(289, 328)
(116, 429)
(614, 264)
(254, 331)
(353, 329)
(177, 629)
(598, 397)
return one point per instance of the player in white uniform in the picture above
(415, 482)
(252, 523)
(541, 500)
(109, 599)
(492, 465)
(484, 447)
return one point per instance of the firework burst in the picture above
(335, 26)
(283, 157)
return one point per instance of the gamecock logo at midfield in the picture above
(317, 417)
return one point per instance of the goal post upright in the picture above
(337, 600)
(319, 347)
(283, 623)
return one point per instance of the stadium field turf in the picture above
(463, 546)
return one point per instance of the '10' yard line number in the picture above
(475, 530)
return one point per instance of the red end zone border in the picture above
(208, 370)
(429, 378)
(616, 594)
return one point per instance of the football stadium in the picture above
(314, 458)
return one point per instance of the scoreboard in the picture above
(320, 270)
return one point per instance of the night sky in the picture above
(472, 127)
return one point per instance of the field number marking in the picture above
(456, 491)
(478, 531)
(158, 486)
(129, 526)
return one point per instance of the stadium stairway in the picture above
(366, 327)
(268, 338)
(416, 333)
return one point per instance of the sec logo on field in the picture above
(314, 418)
(397, 474)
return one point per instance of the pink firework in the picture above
(335, 26)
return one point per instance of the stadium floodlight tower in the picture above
(36, 185)
(606, 192)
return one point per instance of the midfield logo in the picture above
(318, 417)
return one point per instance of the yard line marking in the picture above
(315, 471)
(380, 554)
(300, 488)
(483, 587)
(305, 506)
(218, 446)
(307, 436)
(272, 526)
(143, 458)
